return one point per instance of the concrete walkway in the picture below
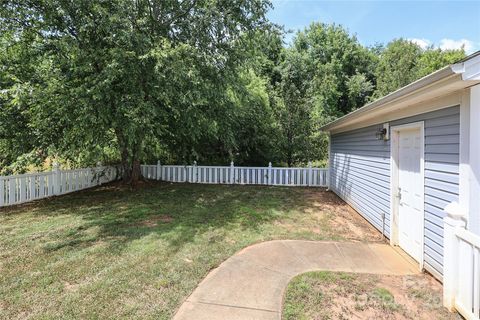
(250, 284)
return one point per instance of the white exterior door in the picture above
(410, 192)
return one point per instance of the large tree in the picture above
(398, 66)
(403, 61)
(325, 74)
(123, 74)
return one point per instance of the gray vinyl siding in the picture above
(360, 174)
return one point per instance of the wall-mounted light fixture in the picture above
(383, 133)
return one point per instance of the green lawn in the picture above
(116, 253)
(339, 295)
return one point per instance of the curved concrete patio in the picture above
(251, 283)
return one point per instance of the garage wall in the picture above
(360, 174)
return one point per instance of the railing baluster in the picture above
(476, 282)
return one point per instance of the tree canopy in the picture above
(208, 80)
(402, 62)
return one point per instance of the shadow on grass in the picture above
(176, 213)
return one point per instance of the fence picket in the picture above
(2, 191)
(11, 190)
(23, 189)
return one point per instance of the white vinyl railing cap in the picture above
(456, 211)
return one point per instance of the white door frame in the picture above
(394, 133)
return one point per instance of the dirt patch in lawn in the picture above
(331, 295)
(342, 219)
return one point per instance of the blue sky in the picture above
(445, 24)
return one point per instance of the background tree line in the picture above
(132, 81)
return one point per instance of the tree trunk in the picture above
(289, 155)
(130, 154)
(123, 155)
(126, 159)
(136, 172)
(126, 168)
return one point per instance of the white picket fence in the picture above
(277, 176)
(461, 270)
(22, 188)
(16, 189)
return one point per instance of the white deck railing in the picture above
(313, 177)
(16, 189)
(461, 278)
(467, 300)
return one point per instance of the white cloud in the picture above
(449, 44)
(423, 43)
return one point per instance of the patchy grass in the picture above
(339, 295)
(116, 253)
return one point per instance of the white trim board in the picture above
(330, 166)
(418, 108)
(464, 153)
(474, 161)
(394, 132)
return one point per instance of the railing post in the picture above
(310, 174)
(99, 172)
(232, 173)
(195, 172)
(57, 179)
(451, 223)
(159, 170)
(269, 181)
